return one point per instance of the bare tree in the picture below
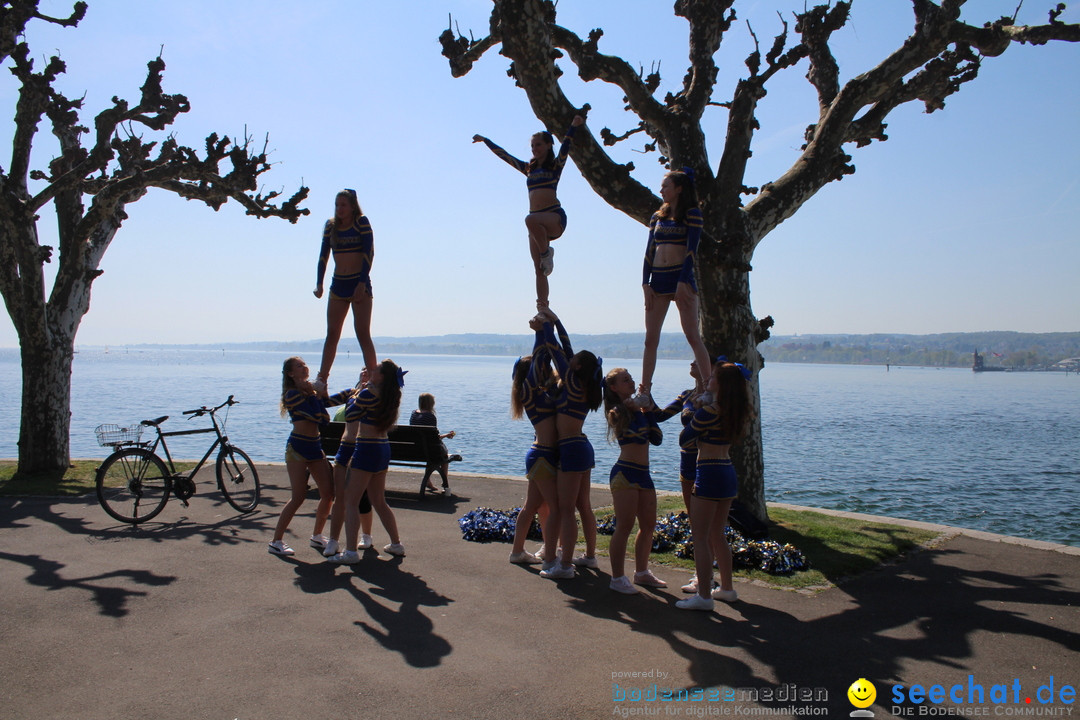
(941, 54)
(116, 167)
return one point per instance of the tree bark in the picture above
(114, 170)
(941, 54)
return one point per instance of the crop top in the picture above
(706, 426)
(362, 407)
(644, 425)
(539, 177)
(302, 406)
(688, 439)
(668, 231)
(571, 401)
(538, 403)
(355, 239)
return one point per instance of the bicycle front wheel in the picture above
(133, 485)
(237, 478)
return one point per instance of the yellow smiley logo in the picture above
(862, 693)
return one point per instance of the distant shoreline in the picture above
(1007, 349)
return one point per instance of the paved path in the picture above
(190, 617)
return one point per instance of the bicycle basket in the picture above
(109, 435)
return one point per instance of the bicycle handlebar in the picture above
(199, 412)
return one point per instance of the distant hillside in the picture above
(1027, 351)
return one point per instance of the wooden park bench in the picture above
(410, 446)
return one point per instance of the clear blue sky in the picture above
(965, 220)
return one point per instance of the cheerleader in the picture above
(632, 489)
(376, 408)
(546, 220)
(718, 424)
(348, 236)
(303, 450)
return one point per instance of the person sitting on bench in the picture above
(425, 415)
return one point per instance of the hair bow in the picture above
(401, 377)
(599, 368)
(351, 192)
(742, 368)
(689, 172)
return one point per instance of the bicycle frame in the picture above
(221, 439)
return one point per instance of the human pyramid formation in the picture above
(554, 387)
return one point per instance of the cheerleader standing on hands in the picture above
(348, 236)
(546, 220)
(668, 274)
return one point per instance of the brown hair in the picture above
(687, 198)
(287, 383)
(615, 410)
(733, 400)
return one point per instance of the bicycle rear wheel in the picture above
(237, 478)
(133, 485)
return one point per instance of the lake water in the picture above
(996, 451)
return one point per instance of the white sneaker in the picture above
(318, 541)
(623, 585)
(646, 578)
(547, 261)
(395, 549)
(365, 541)
(728, 596)
(558, 571)
(690, 587)
(585, 561)
(331, 548)
(349, 557)
(278, 547)
(524, 558)
(695, 602)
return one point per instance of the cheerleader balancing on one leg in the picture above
(578, 392)
(303, 450)
(376, 408)
(546, 220)
(348, 236)
(632, 489)
(717, 425)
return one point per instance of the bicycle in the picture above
(134, 483)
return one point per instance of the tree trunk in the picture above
(730, 328)
(44, 433)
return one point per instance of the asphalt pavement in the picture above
(188, 616)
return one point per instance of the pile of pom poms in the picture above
(672, 535)
(487, 525)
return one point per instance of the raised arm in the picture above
(521, 167)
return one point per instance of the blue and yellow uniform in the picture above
(664, 280)
(539, 177)
(541, 461)
(355, 239)
(715, 478)
(301, 406)
(576, 453)
(643, 429)
(687, 442)
(372, 453)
